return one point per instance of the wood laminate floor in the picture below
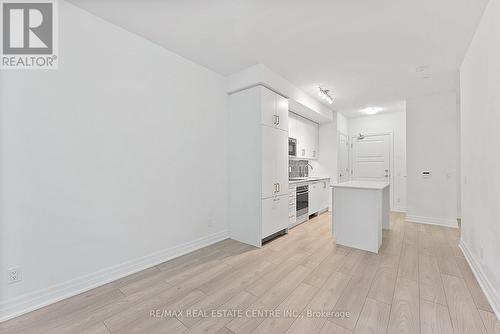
(299, 283)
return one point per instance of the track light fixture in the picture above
(325, 94)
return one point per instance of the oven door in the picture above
(302, 202)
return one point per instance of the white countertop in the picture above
(361, 185)
(308, 180)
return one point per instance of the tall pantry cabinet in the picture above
(258, 165)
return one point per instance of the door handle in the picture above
(275, 188)
(278, 187)
(278, 118)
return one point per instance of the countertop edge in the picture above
(308, 181)
(360, 186)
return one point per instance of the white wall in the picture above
(431, 144)
(480, 119)
(112, 163)
(342, 124)
(396, 124)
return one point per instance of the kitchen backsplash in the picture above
(298, 168)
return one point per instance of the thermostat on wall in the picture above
(426, 174)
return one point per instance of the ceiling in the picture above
(383, 108)
(367, 52)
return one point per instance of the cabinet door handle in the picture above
(278, 118)
(275, 187)
(278, 187)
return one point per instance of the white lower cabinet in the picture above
(325, 195)
(313, 198)
(274, 215)
(318, 196)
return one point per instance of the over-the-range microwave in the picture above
(292, 147)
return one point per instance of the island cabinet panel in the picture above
(360, 213)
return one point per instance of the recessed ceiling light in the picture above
(423, 72)
(371, 110)
(423, 68)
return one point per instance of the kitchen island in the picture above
(360, 213)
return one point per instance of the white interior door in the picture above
(343, 158)
(371, 158)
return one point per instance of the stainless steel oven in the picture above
(302, 203)
(292, 147)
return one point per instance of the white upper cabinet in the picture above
(268, 107)
(302, 138)
(274, 109)
(282, 112)
(274, 162)
(281, 142)
(313, 136)
(307, 134)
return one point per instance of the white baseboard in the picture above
(398, 210)
(491, 294)
(29, 302)
(432, 221)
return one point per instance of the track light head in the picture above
(325, 94)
